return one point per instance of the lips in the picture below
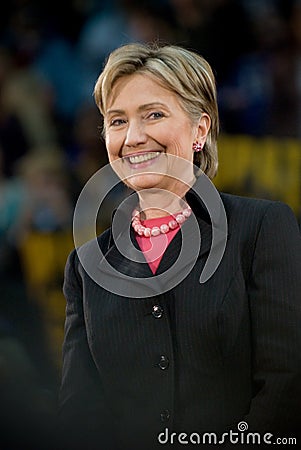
(142, 157)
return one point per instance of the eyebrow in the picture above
(140, 108)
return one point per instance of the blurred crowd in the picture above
(50, 131)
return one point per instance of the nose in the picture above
(135, 134)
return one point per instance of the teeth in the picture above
(136, 159)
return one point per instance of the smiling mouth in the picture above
(144, 157)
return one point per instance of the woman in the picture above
(181, 356)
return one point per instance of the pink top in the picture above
(154, 247)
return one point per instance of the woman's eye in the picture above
(156, 115)
(117, 122)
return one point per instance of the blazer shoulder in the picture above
(239, 201)
(104, 238)
(246, 213)
(259, 206)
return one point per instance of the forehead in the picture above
(137, 89)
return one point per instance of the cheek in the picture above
(112, 148)
(186, 139)
(181, 135)
(181, 144)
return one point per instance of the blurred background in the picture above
(50, 145)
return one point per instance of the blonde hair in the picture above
(183, 72)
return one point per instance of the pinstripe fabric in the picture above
(233, 344)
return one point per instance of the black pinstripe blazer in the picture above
(207, 356)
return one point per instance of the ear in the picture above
(203, 128)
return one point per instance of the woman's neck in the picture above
(155, 203)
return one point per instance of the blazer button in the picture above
(165, 415)
(164, 362)
(157, 311)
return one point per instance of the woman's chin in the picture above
(145, 181)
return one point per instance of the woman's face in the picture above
(144, 124)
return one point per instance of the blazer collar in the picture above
(121, 220)
(124, 213)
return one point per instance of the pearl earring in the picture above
(197, 147)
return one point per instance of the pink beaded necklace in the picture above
(164, 228)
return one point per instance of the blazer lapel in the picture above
(128, 265)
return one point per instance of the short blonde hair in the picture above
(183, 72)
